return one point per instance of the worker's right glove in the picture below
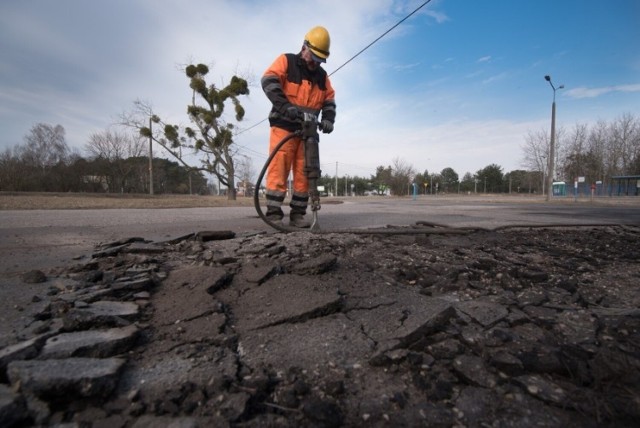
(326, 126)
(292, 113)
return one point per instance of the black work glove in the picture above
(326, 126)
(292, 113)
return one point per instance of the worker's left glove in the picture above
(326, 126)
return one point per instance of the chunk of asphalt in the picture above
(191, 287)
(315, 266)
(24, 350)
(92, 343)
(411, 317)
(483, 312)
(284, 299)
(84, 377)
(100, 313)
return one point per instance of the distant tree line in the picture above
(115, 164)
(596, 153)
(401, 179)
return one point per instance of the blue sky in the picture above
(459, 84)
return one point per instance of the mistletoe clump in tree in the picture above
(211, 135)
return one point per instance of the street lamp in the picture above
(552, 142)
(544, 177)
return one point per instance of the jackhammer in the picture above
(310, 138)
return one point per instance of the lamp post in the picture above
(544, 176)
(552, 141)
(150, 156)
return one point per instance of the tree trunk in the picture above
(231, 187)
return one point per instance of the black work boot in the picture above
(275, 215)
(297, 220)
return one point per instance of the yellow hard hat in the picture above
(318, 42)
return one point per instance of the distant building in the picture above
(244, 188)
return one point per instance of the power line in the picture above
(251, 127)
(251, 151)
(380, 37)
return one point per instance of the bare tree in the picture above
(536, 153)
(598, 143)
(574, 155)
(401, 175)
(245, 172)
(624, 141)
(561, 142)
(115, 149)
(45, 146)
(43, 150)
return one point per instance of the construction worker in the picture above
(296, 83)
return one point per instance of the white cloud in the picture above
(495, 78)
(584, 92)
(438, 16)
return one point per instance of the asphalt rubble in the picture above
(508, 328)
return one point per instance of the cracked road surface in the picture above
(516, 327)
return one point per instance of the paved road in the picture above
(39, 239)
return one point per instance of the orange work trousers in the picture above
(290, 157)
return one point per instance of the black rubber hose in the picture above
(256, 193)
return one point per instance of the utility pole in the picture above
(544, 176)
(150, 158)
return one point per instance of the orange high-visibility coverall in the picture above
(289, 82)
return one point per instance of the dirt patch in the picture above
(80, 201)
(517, 327)
(75, 201)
